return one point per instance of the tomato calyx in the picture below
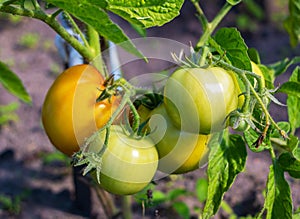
(240, 121)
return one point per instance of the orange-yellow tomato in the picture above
(70, 112)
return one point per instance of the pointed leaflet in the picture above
(290, 88)
(293, 102)
(292, 23)
(92, 12)
(12, 83)
(281, 66)
(233, 2)
(146, 13)
(278, 201)
(226, 160)
(290, 164)
(235, 47)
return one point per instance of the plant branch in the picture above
(76, 28)
(242, 74)
(211, 26)
(201, 15)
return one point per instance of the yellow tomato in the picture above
(179, 151)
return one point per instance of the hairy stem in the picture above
(201, 15)
(211, 26)
(269, 119)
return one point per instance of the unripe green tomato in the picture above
(240, 125)
(198, 100)
(128, 164)
(179, 151)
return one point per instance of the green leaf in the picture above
(146, 13)
(175, 193)
(284, 126)
(7, 113)
(268, 75)
(296, 216)
(201, 189)
(293, 102)
(253, 55)
(226, 160)
(12, 83)
(91, 12)
(158, 198)
(235, 47)
(9, 2)
(182, 209)
(251, 137)
(233, 2)
(293, 146)
(140, 30)
(292, 22)
(281, 66)
(278, 201)
(290, 88)
(290, 164)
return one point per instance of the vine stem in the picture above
(50, 21)
(242, 74)
(201, 14)
(95, 47)
(76, 28)
(209, 27)
(126, 207)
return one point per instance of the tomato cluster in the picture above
(175, 134)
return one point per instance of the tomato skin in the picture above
(70, 113)
(179, 151)
(128, 164)
(256, 70)
(198, 100)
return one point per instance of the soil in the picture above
(46, 190)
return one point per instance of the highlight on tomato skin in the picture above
(70, 113)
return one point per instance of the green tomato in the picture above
(198, 100)
(128, 164)
(179, 151)
(239, 123)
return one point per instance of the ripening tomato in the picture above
(198, 100)
(179, 151)
(70, 112)
(257, 71)
(128, 163)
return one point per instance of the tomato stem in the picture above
(126, 207)
(95, 46)
(242, 74)
(201, 15)
(106, 202)
(204, 54)
(209, 27)
(76, 28)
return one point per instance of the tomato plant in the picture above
(70, 112)
(215, 84)
(179, 151)
(198, 99)
(128, 164)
